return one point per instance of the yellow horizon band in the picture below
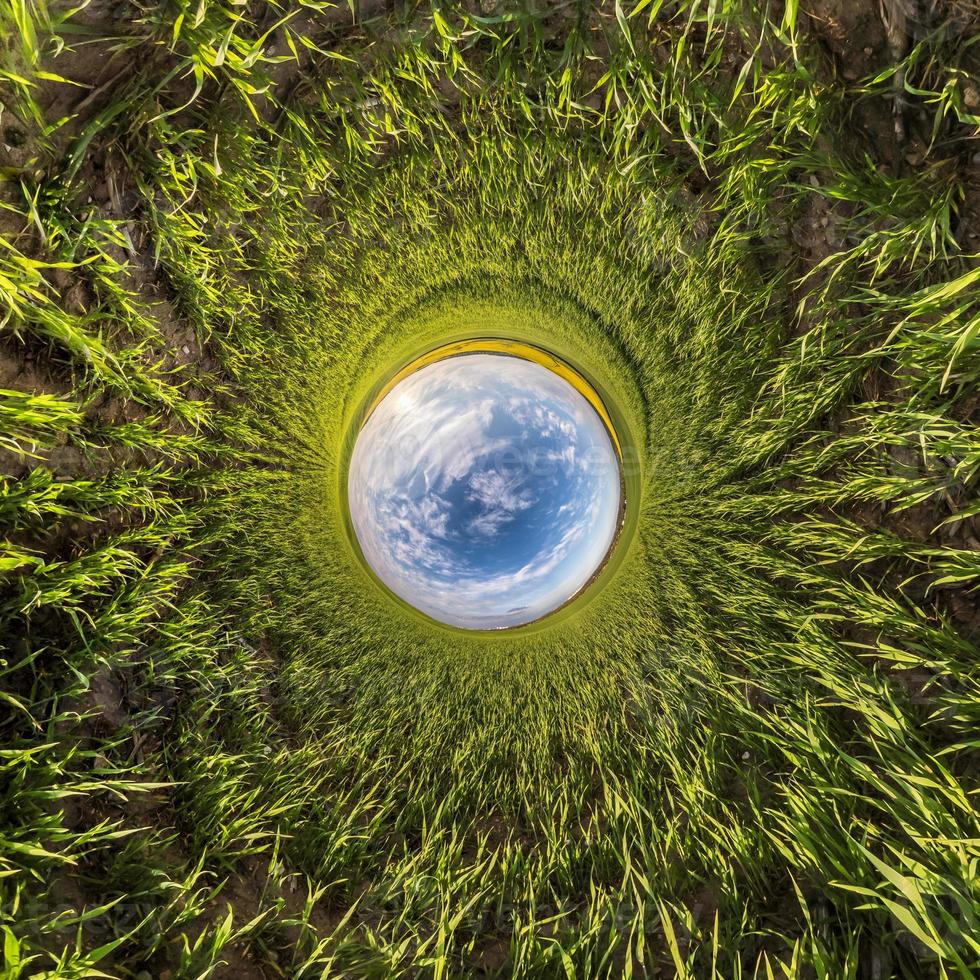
(511, 348)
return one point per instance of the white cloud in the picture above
(420, 450)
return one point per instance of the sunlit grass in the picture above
(753, 753)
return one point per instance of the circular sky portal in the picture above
(485, 489)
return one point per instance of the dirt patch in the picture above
(851, 32)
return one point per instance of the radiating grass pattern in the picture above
(226, 752)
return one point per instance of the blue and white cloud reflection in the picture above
(484, 490)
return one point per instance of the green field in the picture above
(751, 750)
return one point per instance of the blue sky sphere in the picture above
(484, 490)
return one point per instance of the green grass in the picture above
(226, 752)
